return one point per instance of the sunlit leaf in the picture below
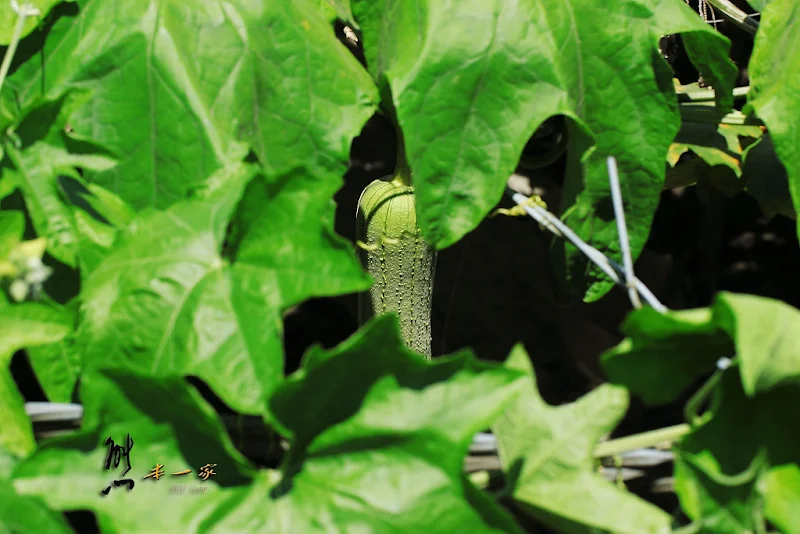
(546, 452)
(386, 456)
(471, 81)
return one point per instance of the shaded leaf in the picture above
(718, 144)
(766, 179)
(546, 451)
(723, 507)
(736, 469)
(378, 437)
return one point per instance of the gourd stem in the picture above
(644, 440)
(402, 172)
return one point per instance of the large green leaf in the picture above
(663, 354)
(775, 84)
(23, 325)
(176, 85)
(547, 453)
(742, 464)
(404, 425)
(471, 81)
(378, 437)
(186, 309)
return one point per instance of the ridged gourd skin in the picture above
(399, 260)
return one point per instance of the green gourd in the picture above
(399, 260)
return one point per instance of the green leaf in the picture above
(396, 441)
(740, 466)
(45, 151)
(95, 240)
(765, 333)
(169, 424)
(27, 515)
(12, 227)
(109, 206)
(8, 462)
(9, 18)
(178, 86)
(716, 144)
(546, 451)
(378, 442)
(663, 354)
(471, 81)
(766, 179)
(187, 310)
(334, 9)
(783, 489)
(775, 84)
(709, 56)
(759, 5)
(57, 365)
(722, 506)
(23, 325)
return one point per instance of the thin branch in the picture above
(24, 11)
(687, 93)
(648, 439)
(608, 266)
(622, 231)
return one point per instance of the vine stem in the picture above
(23, 12)
(402, 171)
(708, 95)
(643, 440)
(736, 15)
